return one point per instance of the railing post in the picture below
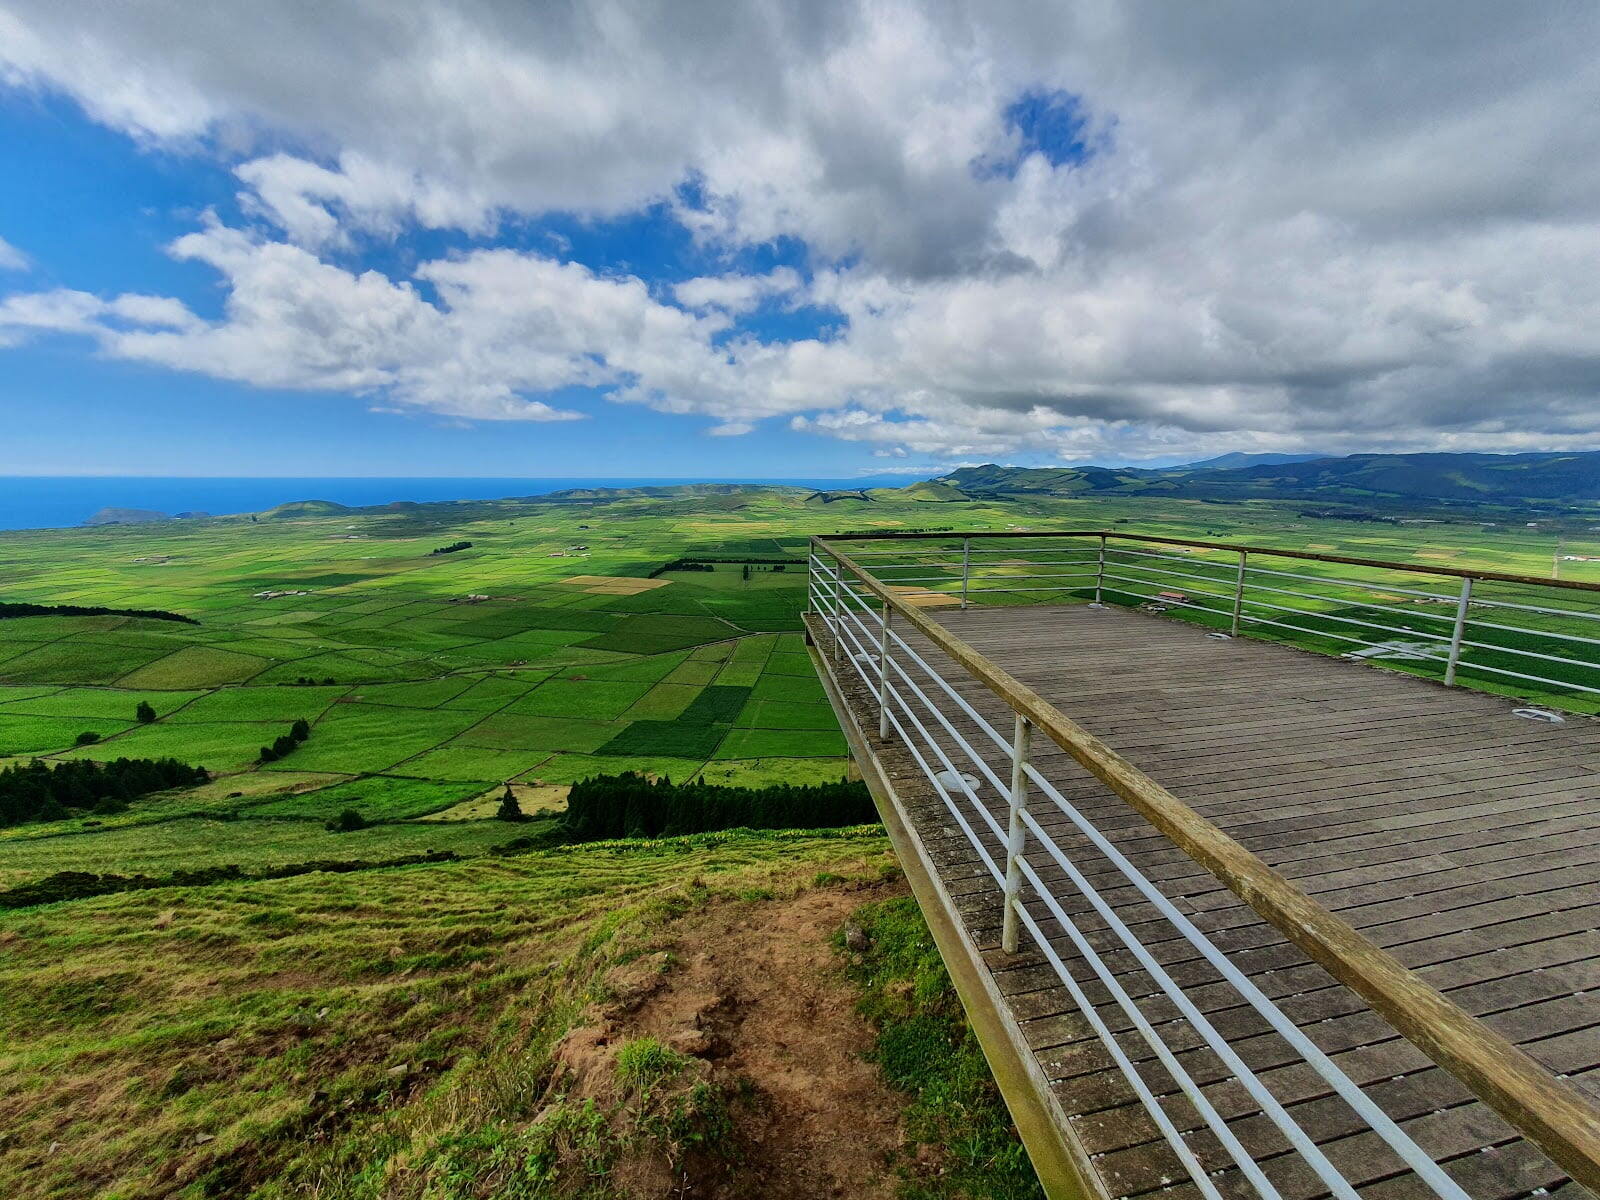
(836, 613)
(883, 673)
(1021, 746)
(1238, 596)
(966, 568)
(1100, 571)
(1459, 632)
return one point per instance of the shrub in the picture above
(144, 714)
(87, 738)
(347, 822)
(288, 743)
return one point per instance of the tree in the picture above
(268, 754)
(300, 730)
(144, 714)
(509, 809)
(87, 738)
(347, 822)
(747, 570)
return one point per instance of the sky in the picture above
(677, 238)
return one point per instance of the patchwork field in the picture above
(200, 1028)
(544, 653)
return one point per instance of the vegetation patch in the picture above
(10, 609)
(80, 885)
(680, 739)
(630, 805)
(927, 1051)
(195, 666)
(656, 633)
(716, 705)
(40, 791)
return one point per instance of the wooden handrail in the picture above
(1557, 1118)
(1411, 568)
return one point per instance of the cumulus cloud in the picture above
(1071, 230)
(736, 294)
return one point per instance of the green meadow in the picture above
(559, 645)
(384, 1029)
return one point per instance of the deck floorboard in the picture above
(1463, 839)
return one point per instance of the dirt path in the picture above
(755, 990)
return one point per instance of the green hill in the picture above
(305, 508)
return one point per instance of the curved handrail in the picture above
(1557, 1118)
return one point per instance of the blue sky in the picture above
(93, 210)
(789, 240)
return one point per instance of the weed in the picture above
(926, 1050)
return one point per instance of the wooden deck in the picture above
(1460, 838)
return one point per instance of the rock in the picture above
(398, 1069)
(200, 1139)
(694, 1042)
(855, 938)
(321, 1012)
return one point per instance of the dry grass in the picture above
(331, 1035)
(614, 585)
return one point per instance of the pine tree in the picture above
(509, 809)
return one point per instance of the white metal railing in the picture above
(1043, 895)
(1515, 634)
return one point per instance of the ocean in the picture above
(47, 502)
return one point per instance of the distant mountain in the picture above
(1565, 478)
(1231, 462)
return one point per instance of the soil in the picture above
(755, 991)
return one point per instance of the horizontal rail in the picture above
(1555, 1117)
(1235, 547)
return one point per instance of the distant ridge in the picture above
(1559, 477)
(1237, 459)
(126, 516)
(669, 490)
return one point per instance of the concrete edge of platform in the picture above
(1063, 1166)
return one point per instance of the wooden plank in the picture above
(1364, 863)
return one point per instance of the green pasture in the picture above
(418, 694)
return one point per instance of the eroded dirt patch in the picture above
(752, 993)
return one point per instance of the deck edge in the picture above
(1063, 1166)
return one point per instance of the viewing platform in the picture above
(1233, 915)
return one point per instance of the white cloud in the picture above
(1359, 225)
(12, 259)
(736, 294)
(316, 205)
